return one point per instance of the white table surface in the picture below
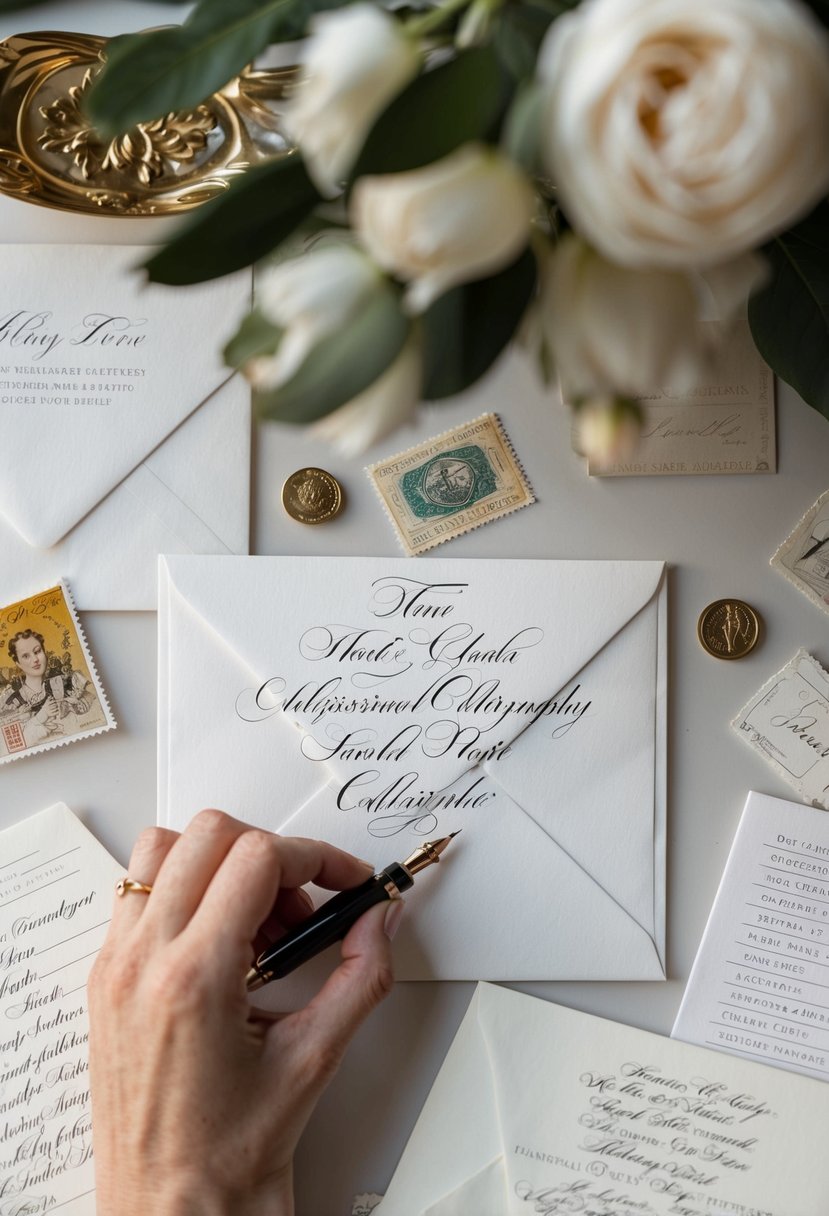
(717, 533)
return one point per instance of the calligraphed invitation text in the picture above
(723, 424)
(56, 886)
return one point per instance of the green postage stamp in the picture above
(451, 484)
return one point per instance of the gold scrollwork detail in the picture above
(147, 152)
(16, 174)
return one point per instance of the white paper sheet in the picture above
(759, 986)
(555, 1112)
(56, 888)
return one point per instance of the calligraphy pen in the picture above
(333, 919)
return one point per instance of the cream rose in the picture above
(614, 331)
(682, 132)
(309, 297)
(461, 218)
(607, 431)
(355, 62)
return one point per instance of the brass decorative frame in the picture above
(52, 156)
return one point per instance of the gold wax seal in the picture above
(728, 629)
(312, 496)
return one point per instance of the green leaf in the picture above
(255, 336)
(344, 365)
(523, 128)
(443, 108)
(466, 329)
(259, 210)
(790, 316)
(519, 30)
(156, 73)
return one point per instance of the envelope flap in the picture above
(96, 370)
(339, 643)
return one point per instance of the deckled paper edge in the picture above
(111, 723)
(776, 559)
(746, 736)
(525, 481)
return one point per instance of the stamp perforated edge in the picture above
(737, 721)
(776, 559)
(525, 482)
(111, 723)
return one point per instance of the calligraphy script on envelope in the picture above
(540, 1109)
(123, 435)
(520, 701)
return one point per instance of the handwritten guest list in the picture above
(760, 983)
(56, 885)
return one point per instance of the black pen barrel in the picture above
(330, 923)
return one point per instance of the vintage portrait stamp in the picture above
(50, 693)
(787, 722)
(451, 484)
(803, 558)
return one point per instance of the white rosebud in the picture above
(680, 132)
(607, 431)
(356, 60)
(385, 405)
(309, 297)
(616, 331)
(461, 218)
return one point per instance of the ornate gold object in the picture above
(126, 884)
(312, 496)
(49, 153)
(728, 629)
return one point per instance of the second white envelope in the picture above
(522, 701)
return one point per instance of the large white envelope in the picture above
(561, 666)
(124, 435)
(540, 1109)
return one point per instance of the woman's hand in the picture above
(198, 1101)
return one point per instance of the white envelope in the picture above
(124, 435)
(560, 870)
(541, 1109)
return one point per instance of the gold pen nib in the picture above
(428, 854)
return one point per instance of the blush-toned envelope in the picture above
(113, 454)
(559, 872)
(542, 1109)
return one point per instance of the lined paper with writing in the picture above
(760, 984)
(56, 885)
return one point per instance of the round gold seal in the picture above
(728, 629)
(312, 496)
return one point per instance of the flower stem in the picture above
(418, 27)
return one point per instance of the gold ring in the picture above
(129, 884)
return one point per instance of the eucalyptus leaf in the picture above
(790, 316)
(445, 107)
(342, 366)
(255, 336)
(151, 74)
(259, 210)
(466, 330)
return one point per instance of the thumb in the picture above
(362, 981)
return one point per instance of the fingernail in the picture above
(363, 862)
(394, 914)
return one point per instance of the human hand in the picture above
(48, 713)
(198, 1100)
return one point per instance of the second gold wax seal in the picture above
(728, 629)
(312, 496)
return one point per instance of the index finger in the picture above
(244, 888)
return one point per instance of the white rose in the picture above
(681, 132)
(616, 331)
(461, 218)
(355, 62)
(387, 404)
(607, 431)
(309, 297)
